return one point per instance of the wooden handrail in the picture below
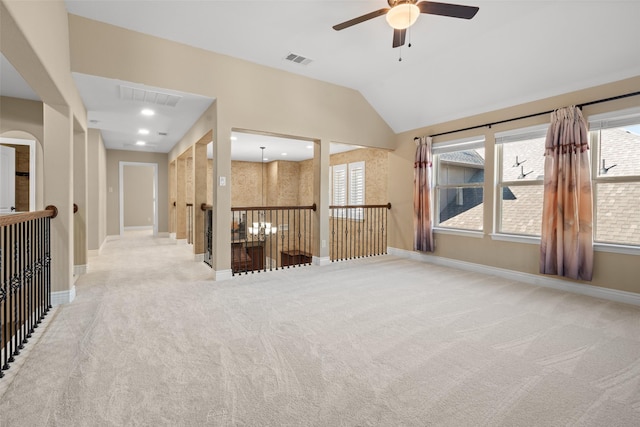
(189, 204)
(48, 212)
(272, 208)
(388, 206)
(206, 207)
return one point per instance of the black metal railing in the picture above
(271, 237)
(357, 231)
(172, 218)
(190, 223)
(25, 279)
(208, 233)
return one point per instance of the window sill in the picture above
(518, 238)
(616, 249)
(459, 232)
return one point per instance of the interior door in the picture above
(7, 179)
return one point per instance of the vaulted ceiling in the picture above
(511, 52)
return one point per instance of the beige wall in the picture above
(616, 271)
(114, 157)
(96, 190)
(138, 196)
(21, 115)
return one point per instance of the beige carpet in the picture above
(374, 342)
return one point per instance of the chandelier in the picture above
(262, 229)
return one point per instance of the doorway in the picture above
(18, 179)
(138, 196)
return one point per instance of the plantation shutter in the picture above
(356, 183)
(339, 185)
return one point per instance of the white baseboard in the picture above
(181, 241)
(93, 252)
(63, 297)
(110, 238)
(222, 274)
(163, 234)
(138, 227)
(172, 236)
(79, 270)
(198, 257)
(321, 261)
(532, 279)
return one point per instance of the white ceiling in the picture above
(511, 52)
(120, 120)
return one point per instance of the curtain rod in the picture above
(613, 98)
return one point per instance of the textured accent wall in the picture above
(291, 183)
(210, 182)
(375, 174)
(246, 184)
(305, 183)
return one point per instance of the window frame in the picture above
(597, 123)
(501, 139)
(464, 144)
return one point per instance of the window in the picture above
(347, 188)
(520, 180)
(615, 150)
(459, 181)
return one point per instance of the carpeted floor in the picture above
(380, 341)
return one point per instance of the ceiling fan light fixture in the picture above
(403, 15)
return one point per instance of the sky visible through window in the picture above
(635, 129)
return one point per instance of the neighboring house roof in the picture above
(468, 157)
(618, 203)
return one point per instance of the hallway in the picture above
(101, 364)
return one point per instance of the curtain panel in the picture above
(566, 247)
(422, 206)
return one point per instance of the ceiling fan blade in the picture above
(398, 37)
(447, 9)
(360, 19)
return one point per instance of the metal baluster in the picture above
(47, 259)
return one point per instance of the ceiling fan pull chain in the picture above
(400, 54)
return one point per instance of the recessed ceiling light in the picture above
(147, 112)
(309, 146)
(234, 138)
(265, 159)
(141, 143)
(143, 131)
(284, 154)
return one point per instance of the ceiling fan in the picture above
(401, 14)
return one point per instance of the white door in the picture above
(7, 179)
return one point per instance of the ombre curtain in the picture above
(422, 226)
(567, 218)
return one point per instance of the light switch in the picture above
(223, 181)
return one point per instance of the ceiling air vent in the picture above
(298, 59)
(149, 96)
